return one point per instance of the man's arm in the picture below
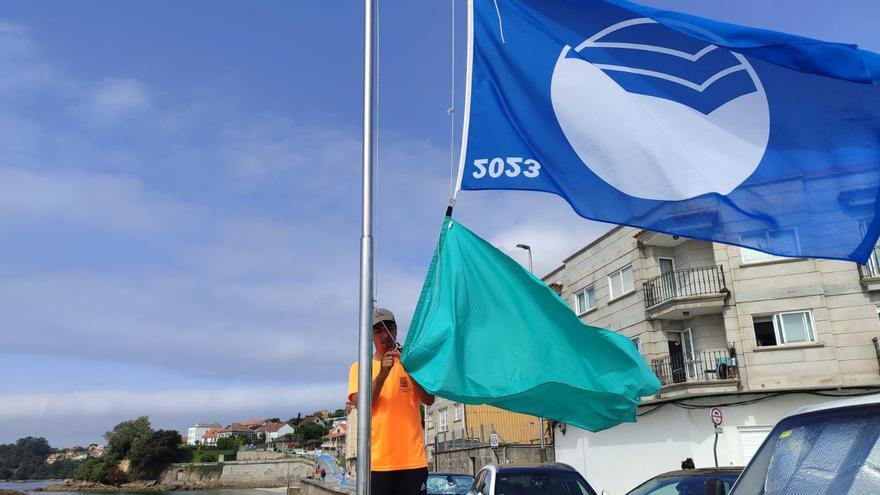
(425, 398)
(376, 388)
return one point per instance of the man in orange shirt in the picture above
(397, 444)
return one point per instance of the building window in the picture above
(585, 300)
(429, 420)
(442, 422)
(620, 282)
(784, 328)
(459, 412)
(638, 343)
(785, 239)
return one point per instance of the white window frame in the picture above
(459, 411)
(585, 291)
(429, 420)
(624, 290)
(750, 256)
(442, 422)
(779, 327)
(690, 357)
(637, 341)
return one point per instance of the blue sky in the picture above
(179, 198)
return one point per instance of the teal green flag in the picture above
(486, 331)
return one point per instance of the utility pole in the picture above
(365, 360)
(540, 420)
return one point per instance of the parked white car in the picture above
(509, 479)
(830, 449)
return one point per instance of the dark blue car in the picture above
(686, 482)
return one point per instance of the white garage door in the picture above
(750, 439)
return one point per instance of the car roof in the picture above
(702, 471)
(839, 404)
(532, 468)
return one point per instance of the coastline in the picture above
(89, 486)
(141, 487)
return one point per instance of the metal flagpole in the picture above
(365, 360)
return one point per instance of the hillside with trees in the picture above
(26, 460)
(148, 452)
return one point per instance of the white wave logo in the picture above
(669, 137)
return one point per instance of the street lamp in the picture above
(529, 249)
(541, 420)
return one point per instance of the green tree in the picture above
(102, 470)
(228, 443)
(150, 454)
(24, 459)
(338, 413)
(124, 435)
(310, 434)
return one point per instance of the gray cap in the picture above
(382, 314)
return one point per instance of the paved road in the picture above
(334, 472)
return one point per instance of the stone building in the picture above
(454, 426)
(757, 335)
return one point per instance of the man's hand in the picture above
(379, 381)
(388, 361)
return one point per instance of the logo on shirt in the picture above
(404, 384)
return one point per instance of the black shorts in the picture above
(404, 482)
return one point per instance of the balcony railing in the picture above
(872, 268)
(705, 366)
(684, 283)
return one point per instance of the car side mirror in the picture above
(715, 486)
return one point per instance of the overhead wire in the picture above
(377, 50)
(770, 395)
(451, 110)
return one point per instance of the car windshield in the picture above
(833, 452)
(541, 483)
(682, 485)
(449, 484)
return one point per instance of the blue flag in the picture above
(677, 124)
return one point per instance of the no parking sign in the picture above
(716, 416)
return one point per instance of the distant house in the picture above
(337, 421)
(323, 414)
(335, 440)
(236, 430)
(195, 433)
(210, 436)
(312, 419)
(254, 424)
(276, 431)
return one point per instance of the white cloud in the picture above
(115, 202)
(218, 402)
(116, 98)
(23, 67)
(551, 243)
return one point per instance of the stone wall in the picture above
(236, 474)
(469, 461)
(260, 455)
(314, 487)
